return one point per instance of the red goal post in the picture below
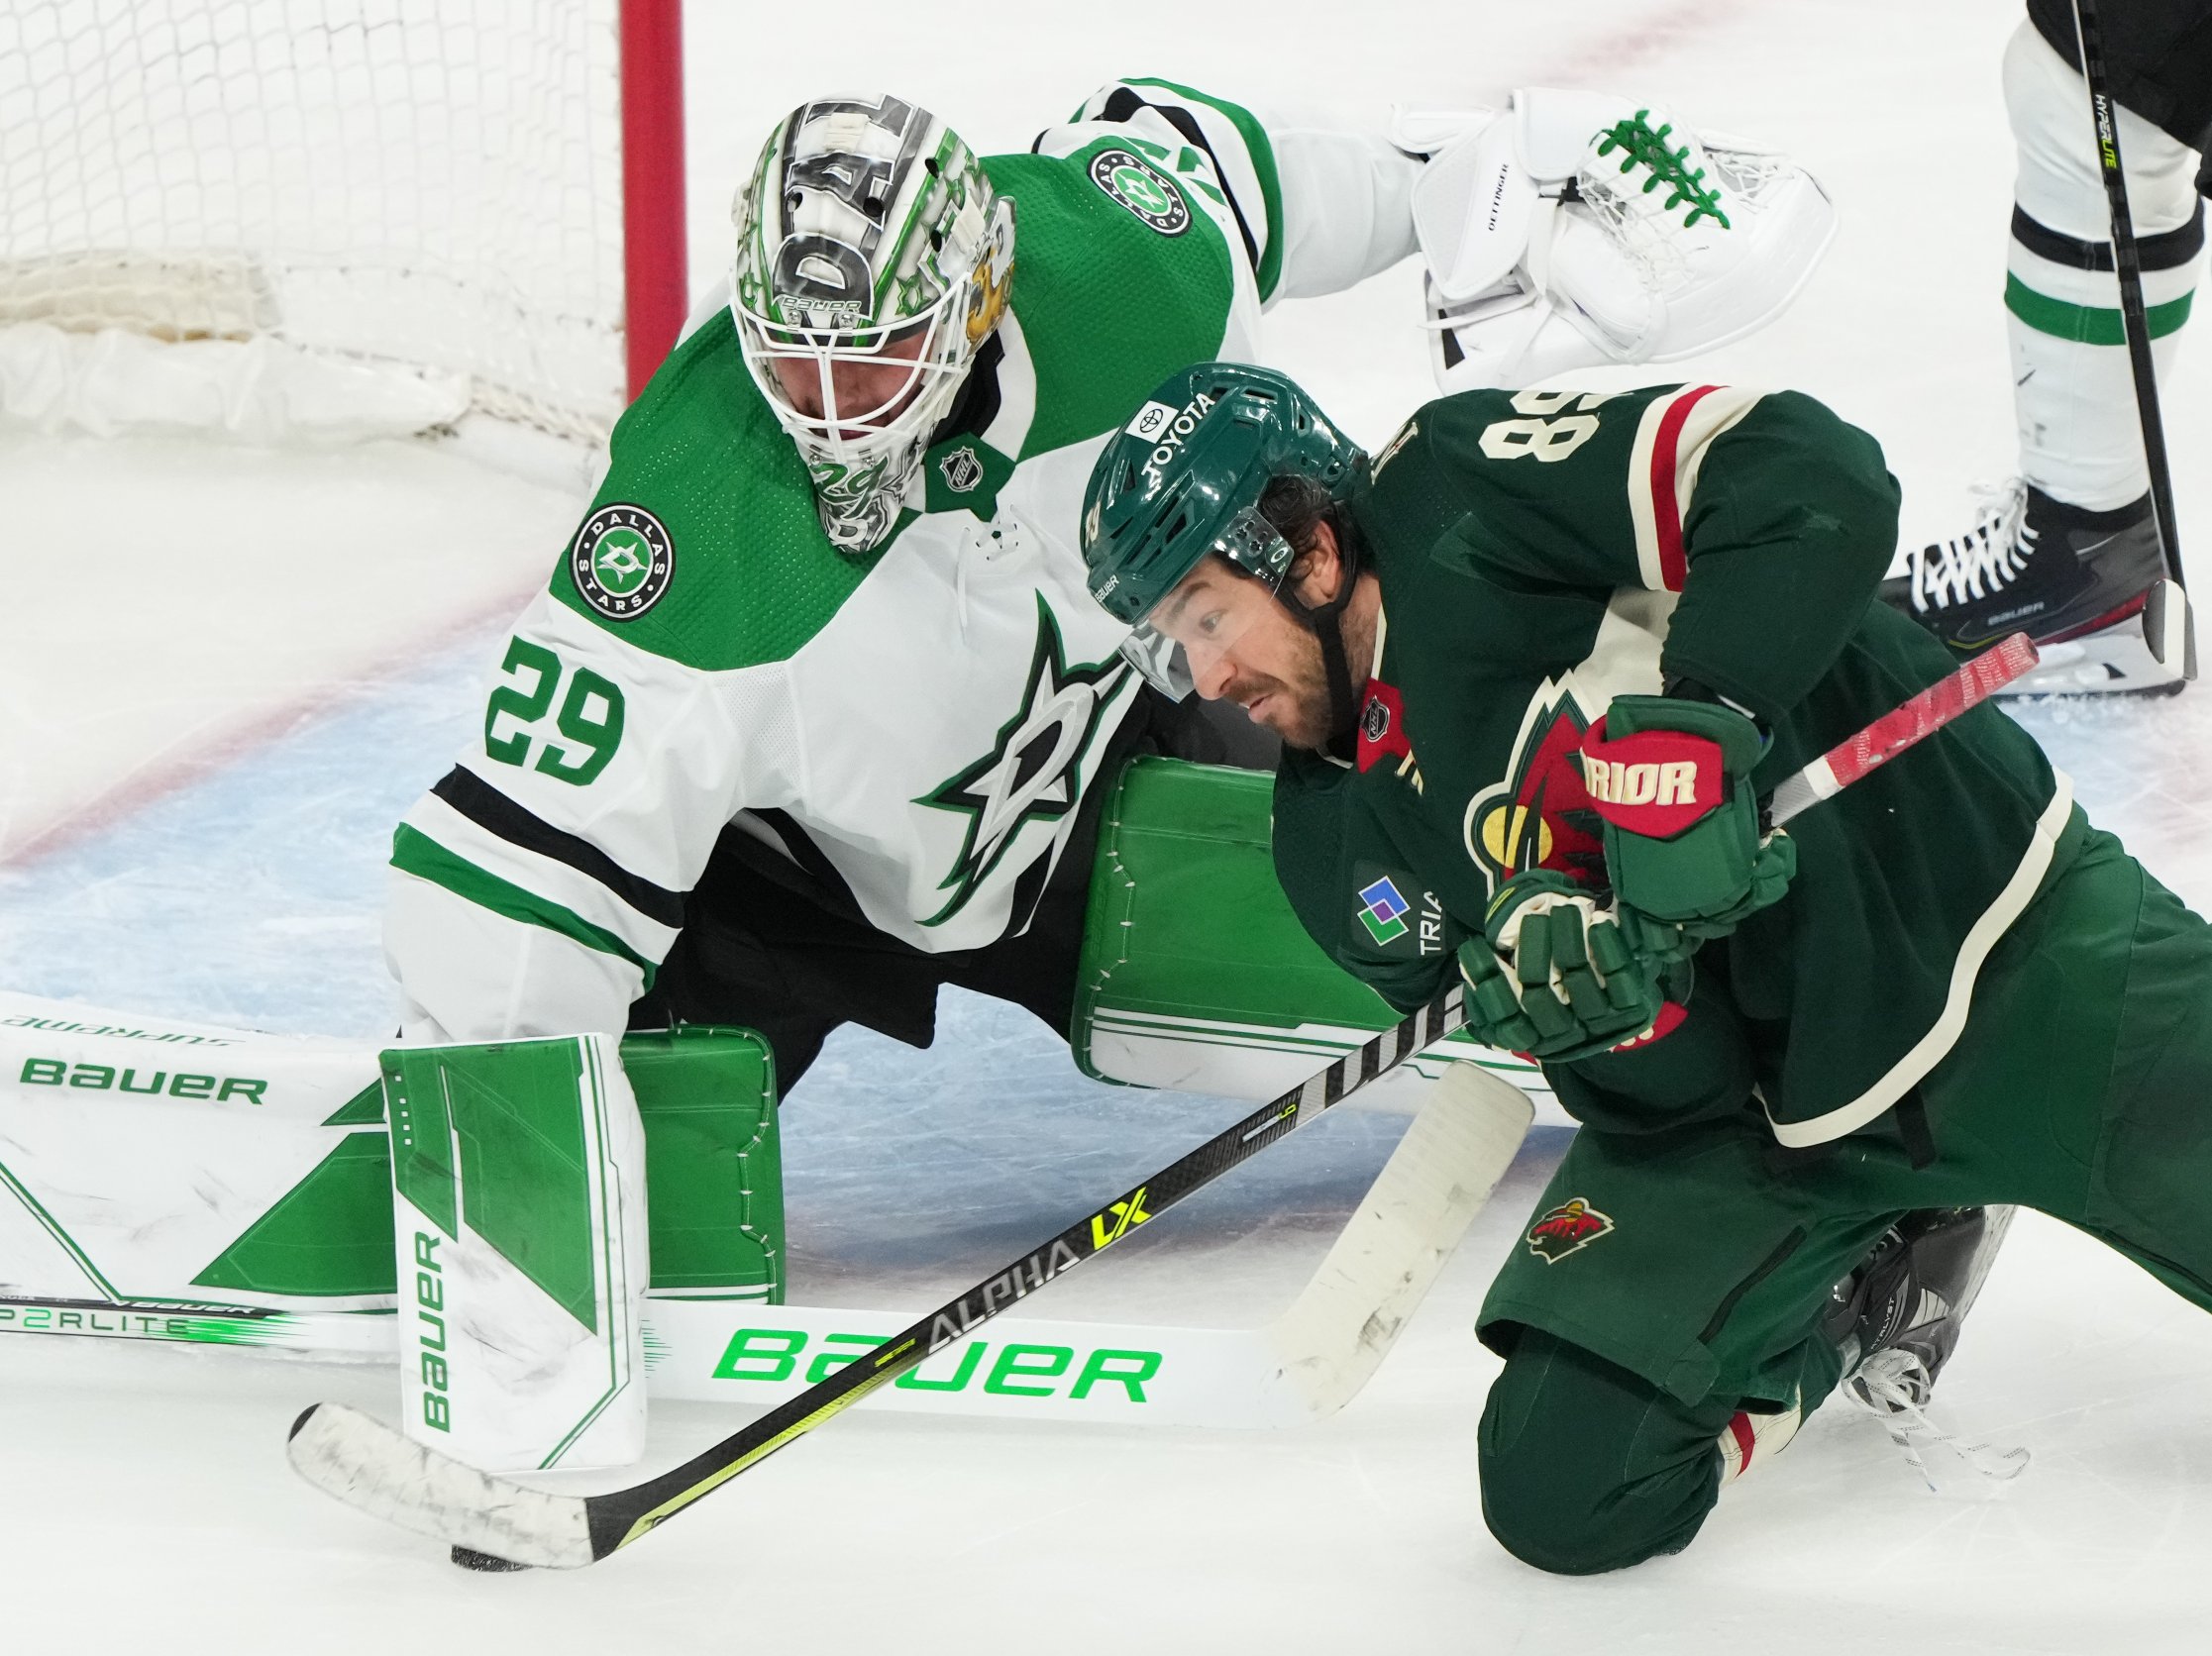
(338, 214)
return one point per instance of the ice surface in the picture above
(224, 675)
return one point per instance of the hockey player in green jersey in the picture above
(814, 713)
(1535, 667)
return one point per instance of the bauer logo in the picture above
(621, 561)
(1143, 189)
(780, 1357)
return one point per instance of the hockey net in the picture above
(334, 216)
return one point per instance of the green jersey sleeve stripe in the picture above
(416, 853)
(2088, 324)
(1258, 151)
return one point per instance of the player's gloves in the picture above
(1556, 977)
(1671, 778)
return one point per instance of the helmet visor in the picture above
(1183, 641)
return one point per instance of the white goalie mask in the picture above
(873, 260)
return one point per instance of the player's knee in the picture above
(1586, 1468)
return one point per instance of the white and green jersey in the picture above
(914, 727)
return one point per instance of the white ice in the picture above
(223, 674)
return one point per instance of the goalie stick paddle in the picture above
(494, 1523)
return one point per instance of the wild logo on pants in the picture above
(1567, 1229)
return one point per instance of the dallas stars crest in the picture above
(1033, 771)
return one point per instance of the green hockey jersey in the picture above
(912, 728)
(1539, 552)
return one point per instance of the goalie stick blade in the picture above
(1336, 1333)
(368, 1465)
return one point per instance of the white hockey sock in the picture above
(2080, 439)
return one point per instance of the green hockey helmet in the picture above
(1184, 478)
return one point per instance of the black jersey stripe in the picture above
(496, 814)
(1126, 103)
(2169, 250)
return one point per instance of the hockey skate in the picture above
(1896, 1318)
(2075, 580)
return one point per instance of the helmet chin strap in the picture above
(1326, 623)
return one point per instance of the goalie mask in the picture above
(873, 260)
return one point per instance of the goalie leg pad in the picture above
(519, 1215)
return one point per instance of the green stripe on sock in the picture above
(2088, 324)
(416, 853)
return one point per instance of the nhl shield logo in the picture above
(1567, 1229)
(961, 469)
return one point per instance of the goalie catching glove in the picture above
(1555, 977)
(1672, 779)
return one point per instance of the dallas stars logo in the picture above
(1033, 773)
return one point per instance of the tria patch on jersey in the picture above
(621, 561)
(1567, 1229)
(1143, 189)
(1394, 914)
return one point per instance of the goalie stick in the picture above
(494, 1523)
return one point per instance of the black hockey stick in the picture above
(2168, 627)
(495, 1523)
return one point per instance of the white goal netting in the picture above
(318, 216)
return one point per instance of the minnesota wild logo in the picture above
(1143, 189)
(1541, 815)
(1566, 1229)
(621, 561)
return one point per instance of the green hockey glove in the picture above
(1672, 779)
(1557, 979)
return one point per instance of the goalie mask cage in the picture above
(480, 196)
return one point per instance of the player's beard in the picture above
(1297, 706)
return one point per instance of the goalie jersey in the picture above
(912, 728)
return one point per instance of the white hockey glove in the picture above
(1578, 229)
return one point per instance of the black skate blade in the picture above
(2169, 630)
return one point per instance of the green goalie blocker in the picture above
(1195, 975)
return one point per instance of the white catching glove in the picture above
(1578, 229)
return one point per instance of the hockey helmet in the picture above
(1184, 478)
(868, 241)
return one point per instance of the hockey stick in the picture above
(1307, 1363)
(492, 1519)
(1902, 726)
(2168, 627)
